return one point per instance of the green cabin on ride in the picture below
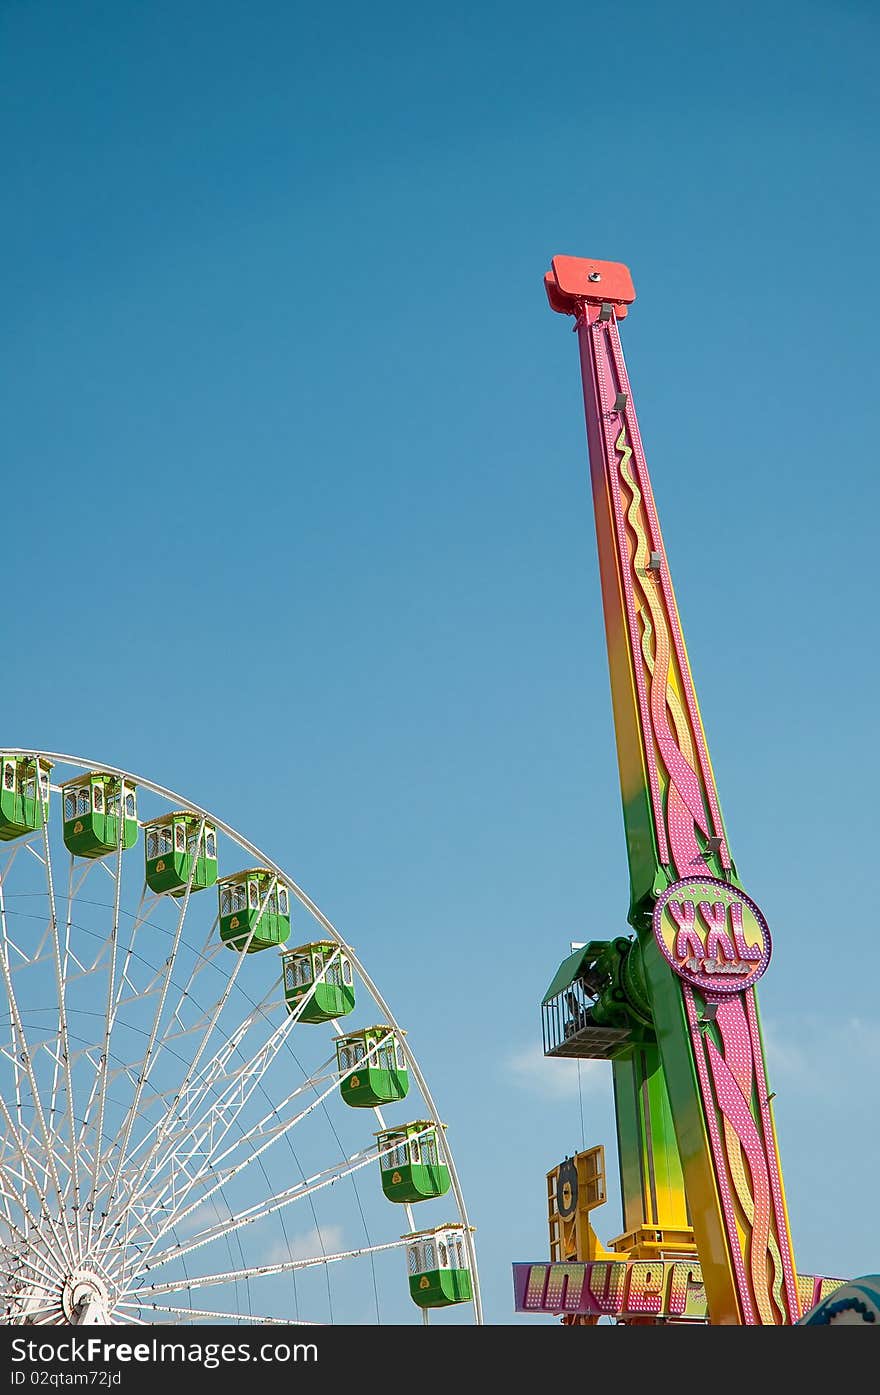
(409, 1162)
(91, 806)
(318, 981)
(171, 856)
(24, 805)
(253, 901)
(438, 1268)
(373, 1067)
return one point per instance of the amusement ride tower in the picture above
(673, 1006)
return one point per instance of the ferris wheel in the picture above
(195, 1070)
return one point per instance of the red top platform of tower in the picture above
(571, 281)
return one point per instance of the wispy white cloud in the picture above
(556, 1077)
(786, 1056)
(822, 1054)
(205, 1217)
(306, 1246)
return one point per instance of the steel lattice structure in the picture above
(174, 1141)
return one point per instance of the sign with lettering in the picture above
(712, 934)
(666, 1289)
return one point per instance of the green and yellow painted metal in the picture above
(700, 941)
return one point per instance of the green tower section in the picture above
(652, 1183)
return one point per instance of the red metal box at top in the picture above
(571, 279)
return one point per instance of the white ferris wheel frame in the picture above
(351, 1164)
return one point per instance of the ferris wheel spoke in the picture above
(83, 1146)
(214, 1018)
(245, 1142)
(38, 1189)
(46, 1316)
(178, 1215)
(18, 1235)
(153, 1167)
(63, 1066)
(228, 1105)
(13, 854)
(52, 930)
(203, 1313)
(16, 1045)
(6, 1214)
(33, 1310)
(147, 1062)
(158, 974)
(110, 1012)
(221, 1115)
(25, 1156)
(34, 1144)
(48, 1150)
(318, 1182)
(204, 1081)
(272, 1125)
(181, 1183)
(141, 917)
(211, 950)
(31, 1275)
(103, 1076)
(16, 1193)
(261, 1271)
(215, 1068)
(43, 941)
(226, 1108)
(37, 1277)
(264, 1128)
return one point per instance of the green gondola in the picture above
(170, 852)
(373, 1067)
(91, 808)
(410, 1163)
(21, 804)
(253, 901)
(318, 981)
(438, 1268)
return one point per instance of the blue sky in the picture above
(297, 518)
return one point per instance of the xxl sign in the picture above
(712, 934)
(626, 1288)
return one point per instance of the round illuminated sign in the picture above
(566, 1189)
(712, 934)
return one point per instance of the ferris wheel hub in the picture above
(85, 1297)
